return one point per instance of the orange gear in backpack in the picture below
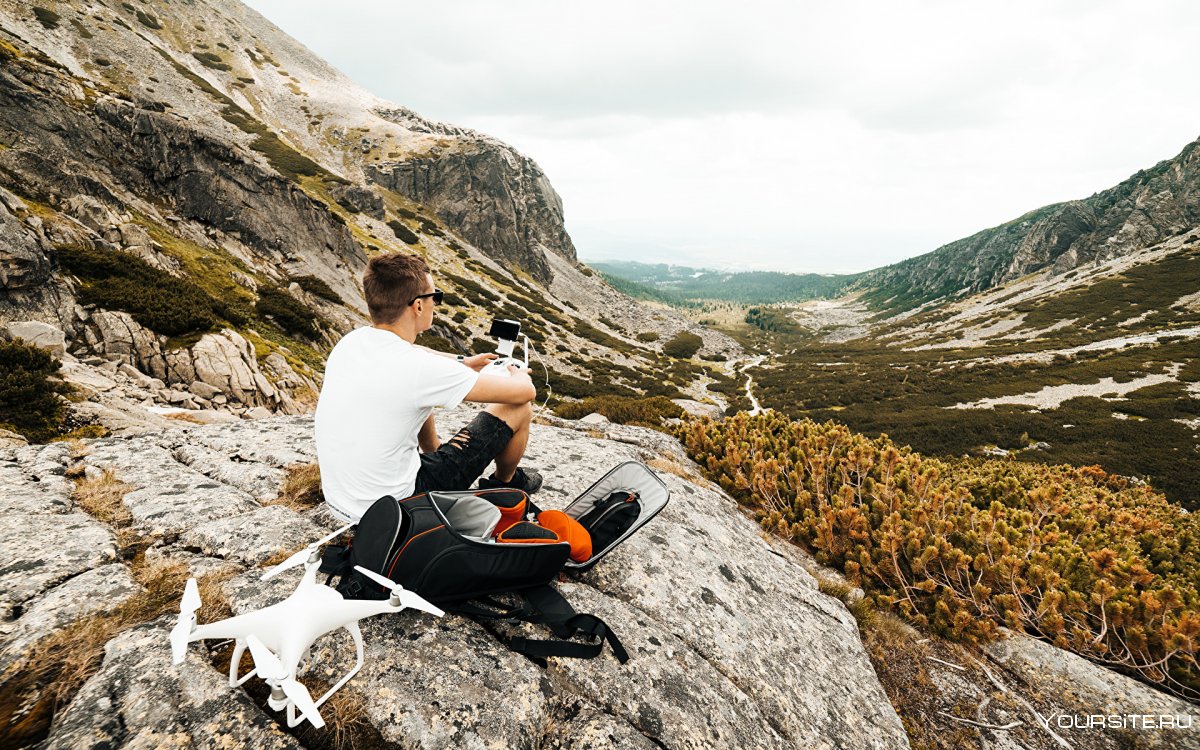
(569, 530)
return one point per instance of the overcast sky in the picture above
(797, 136)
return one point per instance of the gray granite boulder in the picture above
(99, 589)
(39, 334)
(1078, 688)
(732, 644)
(169, 497)
(139, 699)
(253, 537)
(260, 481)
(40, 550)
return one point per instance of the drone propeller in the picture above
(187, 620)
(406, 597)
(270, 668)
(302, 556)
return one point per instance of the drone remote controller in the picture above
(507, 331)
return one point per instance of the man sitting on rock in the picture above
(375, 429)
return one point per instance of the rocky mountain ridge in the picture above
(1149, 207)
(183, 186)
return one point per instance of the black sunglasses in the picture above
(437, 295)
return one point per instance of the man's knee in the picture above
(515, 416)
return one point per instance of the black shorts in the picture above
(462, 459)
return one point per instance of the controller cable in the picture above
(549, 388)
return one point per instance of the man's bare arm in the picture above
(515, 389)
(427, 439)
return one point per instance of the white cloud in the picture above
(816, 136)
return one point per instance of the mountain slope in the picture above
(1149, 207)
(187, 192)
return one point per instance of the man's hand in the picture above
(479, 361)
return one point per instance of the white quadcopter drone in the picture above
(279, 636)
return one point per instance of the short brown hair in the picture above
(390, 283)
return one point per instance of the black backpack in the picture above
(439, 545)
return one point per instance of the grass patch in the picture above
(346, 724)
(301, 488)
(103, 498)
(49, 675)
(302, 356)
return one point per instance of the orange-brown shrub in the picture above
(1087, 560)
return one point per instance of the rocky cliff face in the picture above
(499, 200)
(732, 644)
(198, 139)
(1151, 206)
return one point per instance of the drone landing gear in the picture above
(277, 700)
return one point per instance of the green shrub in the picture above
(211, 60)
(285, 311)
(647, 412)
(46, 17)
(460, 316)
(403, 233)
(770, 319)
(473, 291)
(156, 299)
(318, 287)
(30, 401)
(648, 336)
(148, 20)
(437, 343)
(586, 330)
(598, 383)
(683, 346)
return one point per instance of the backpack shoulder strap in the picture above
(550, 608)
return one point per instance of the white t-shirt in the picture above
(378, 391)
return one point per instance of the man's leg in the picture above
(499, 433)
(517, 417)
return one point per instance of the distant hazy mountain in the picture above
(670, 282)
